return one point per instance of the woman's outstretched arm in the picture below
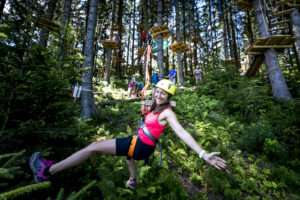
(210, 158)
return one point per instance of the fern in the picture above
(82, 191)
(13, 158)
(60, 194)
(5, 174)
(21, 191)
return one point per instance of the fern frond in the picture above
(82, 191)
(5, 173)
(13, 158)
(24, 190)
(7, 155)
(60, 194)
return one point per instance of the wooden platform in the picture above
(290, 3)
(244, 4)
(165, 34)
(118, 28)
(275, 23)
(282, 12)
(47, 24)
(254, 65)
(179, 47)
(196, 39)
(115, 60)
(109, 44)
(156, 30)
(141, 51)
(229, 61)
(274, 41)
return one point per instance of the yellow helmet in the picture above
(166, 85)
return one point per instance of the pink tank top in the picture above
(153, 125)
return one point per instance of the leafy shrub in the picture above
(252, 138)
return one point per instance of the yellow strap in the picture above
(132, 146)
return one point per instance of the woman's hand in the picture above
(214, 160)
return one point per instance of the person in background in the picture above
(154, 78)
(139, 88)
(172, 75)
(132, 88)
(198, 75)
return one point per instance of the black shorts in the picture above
(142, 151)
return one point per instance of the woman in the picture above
(132, 88)
(134, 147)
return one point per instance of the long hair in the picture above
(159, 108)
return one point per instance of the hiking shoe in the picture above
(131, 183)
(38, 165)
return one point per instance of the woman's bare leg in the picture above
(101, 147)
(131, 169)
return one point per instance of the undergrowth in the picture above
(258, 136)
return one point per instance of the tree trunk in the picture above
(233, 41)
(107, 65)
(179, 39)
(225, 30)
(279, 87)
(184, 36)
(129, 40)
(65, 22)
(108, 60)
(87, 98)
(120, 52)
(133, 34)
(44, 34)
(2, 5)
(295, 16)
(160, 51)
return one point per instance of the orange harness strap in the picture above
(132, 146)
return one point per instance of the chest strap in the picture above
(148, 133)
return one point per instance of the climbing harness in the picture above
(150, 136)
(154, 140)
(132, 146)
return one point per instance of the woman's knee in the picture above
(101, 147)
(93, 148)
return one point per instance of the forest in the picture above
(65, 72)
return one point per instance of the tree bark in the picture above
(87, 98)
(133, 34)
(295, 16)
(2, 5)
(65, 22)
(107, 64)
(279, 87)
(225, 30)
(44, 34)
(233, 41)
(160, 51)
(180, 75)
(120, 52)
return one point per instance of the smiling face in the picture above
(160, 96)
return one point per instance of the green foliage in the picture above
(253, 137)
(25, 190)
(258, 136)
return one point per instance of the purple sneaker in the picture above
(38, 165)
(131, 183)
